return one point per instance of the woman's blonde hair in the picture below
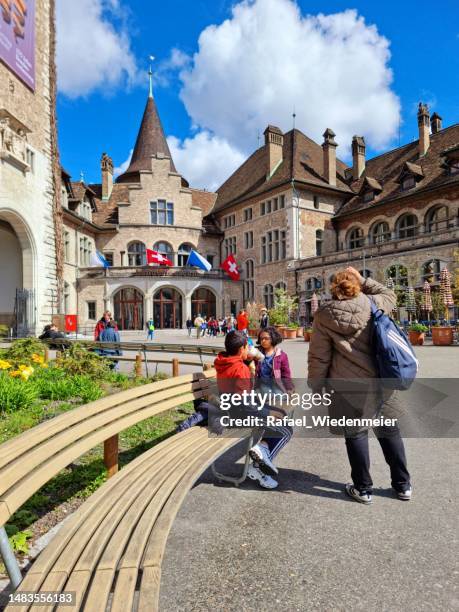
(345, 286)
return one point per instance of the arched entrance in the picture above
(203, 302)
(128, 308)
(167, 309)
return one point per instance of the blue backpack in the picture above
(396, 362)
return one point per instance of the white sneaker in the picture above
(362, 497)
(260, 455)
(404, 495)
(264, 480)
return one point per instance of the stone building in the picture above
(149, 206)
(294, 213)
(30, 217)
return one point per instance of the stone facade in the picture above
(27, 186)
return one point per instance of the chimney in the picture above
(435, 123)
(358, 156)
(106, 165)
(424, 128)
(274, 141)
(329, 147)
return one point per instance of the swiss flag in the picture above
(230, 267)
(154, 257)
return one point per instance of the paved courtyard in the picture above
(305, 546)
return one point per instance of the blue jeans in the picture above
(151, 333)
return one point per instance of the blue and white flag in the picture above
(197, 260)
(98, 261)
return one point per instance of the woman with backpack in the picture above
(341, 357)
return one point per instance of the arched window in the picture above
(268, 296)
(431, 270)
(380, 232)
(436, 219)
(319, 241)
(136, 254)
(281, 285)
(165, 249)
(203, 302)
(356, 238)
(128, 306)
(398, 274)
(167, 308)
(407, 226)
(183, 252)
(249, 283)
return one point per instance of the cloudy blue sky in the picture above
(224, 70)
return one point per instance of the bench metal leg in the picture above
(236, 480)
(9, 559)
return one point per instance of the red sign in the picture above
(71, 323)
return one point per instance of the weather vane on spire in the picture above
(150, 74)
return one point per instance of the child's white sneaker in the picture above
(260, 455)
(263, 480)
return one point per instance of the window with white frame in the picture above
(407, 226)
(398, 274)
(137, 254)
(265, 207)
(248, 214)
(162, 212)
(91, 310)
(380, 232)
(229, 221)
(183, 253)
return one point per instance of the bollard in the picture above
(46, 355)
(138, 366)
(111, 455)
(175, 367)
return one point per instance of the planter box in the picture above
(307, 336)
(442, 336)
(253, 332)
(299, 332)
(416, 338)
(289, 334)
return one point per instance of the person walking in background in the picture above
(198, 321)
(150, 329)
(110, 334)
(50, 333)
(189, 326)
(264, 319)
(341, 350)
(102, 324)
(243, 322)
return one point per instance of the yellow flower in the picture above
(15, 373)
(44, 365)
(24, 372)
(4, 365)
(38, 358)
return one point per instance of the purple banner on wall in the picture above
(17, 38)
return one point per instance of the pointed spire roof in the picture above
(151, 141)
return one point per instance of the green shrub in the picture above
(21, 351)
(16, 394)
(86, 389)
(4, 331)
(55, 384)
(19, 542)
(78, 360)
(418, 327)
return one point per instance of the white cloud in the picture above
(205, 160)
(124, 166)
(254, 68)
(92, 52)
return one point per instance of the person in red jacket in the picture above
(234, 376)
(242, 321)
(102, 324)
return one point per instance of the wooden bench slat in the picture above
(149, 591)
(99, 503)
(22, 443)
(96, 599)
(77, 583)
(155, 547)
(21, 491)
(124, 590)
(25, 463)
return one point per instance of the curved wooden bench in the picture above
(110, 550)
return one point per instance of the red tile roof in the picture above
(203, 199)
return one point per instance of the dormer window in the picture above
(408, 182)
(451, 163)
(454, 167)
(369, 189)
